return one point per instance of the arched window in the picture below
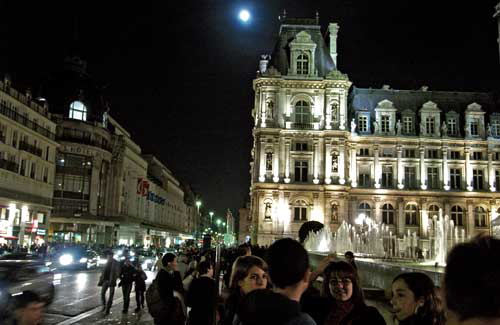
(457, 215)
(302, 112)
(433, 211)
(480, 217)
(300, 211)
(364, 208)
(388, 214)
(78, 111)
(303, 64)
(411, 213)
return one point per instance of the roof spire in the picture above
(317, 17)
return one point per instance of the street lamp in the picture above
(198, 204)
(211, 213)
(225, 229)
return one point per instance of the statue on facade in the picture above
(267, 212)
(335, 213)
(467, 130)
(398, 127)
(488, 130)
(444, 129)
(353, 126)
(335, 109)
(376, 127)
(270, 110)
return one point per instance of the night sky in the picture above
(179, 76)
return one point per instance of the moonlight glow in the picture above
(244, 15)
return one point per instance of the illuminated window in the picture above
(78, 111)
(303, 64)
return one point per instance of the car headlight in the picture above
(145, 265)
(83, 260)
(120, 252)
(132, 253)
(102, 261)
(48, 263)
(148, 261)
(66, 259)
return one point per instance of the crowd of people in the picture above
(279, 287)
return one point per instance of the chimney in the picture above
(333, 28)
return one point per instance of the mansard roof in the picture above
(368, 99)
(290, 27)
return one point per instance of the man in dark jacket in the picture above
(289, 272)
(127, 277)
(107, 280)
(171, 290)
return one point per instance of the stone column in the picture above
(328, 162)
(401, 172)
(315, 161)
(491, 172)
(468, 170)
(353, 170)
(342, 109)
(470, 219)
(341, 159)
(276, 169)
(446, 171)
(378, 212)
(423, 172)
(287, 160)
(262, 164)
(376, 167)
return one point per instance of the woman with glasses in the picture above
(343, 302)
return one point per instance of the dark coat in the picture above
(167, 283)
(140, 281)
(202, 298)
(263, 306)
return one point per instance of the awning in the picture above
(8, 237)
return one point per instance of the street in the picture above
(77, 301)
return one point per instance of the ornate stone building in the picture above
(323, 153)
(27, 154)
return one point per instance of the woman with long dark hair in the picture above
(343, 302)
(414, 300)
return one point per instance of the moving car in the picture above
(17, 276)
(146, 258)
(76, 257)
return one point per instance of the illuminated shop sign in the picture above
(143, 190)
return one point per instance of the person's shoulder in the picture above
(371, 314)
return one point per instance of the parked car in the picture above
(76, 257)
(146, 258)
(17, 276)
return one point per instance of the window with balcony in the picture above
(33, 170)
(411, 215)
(457, 215)
(429, 125)
(410, 180)
(385, 123)
(455, 178)
(388, 214)
(433, 177)
(432, 154)
(480, 218)
(387, 178)
(477, 179)
(46, 174)
(301, 171)
(22, 170)
(362, 123)
(78, 111)
(302, 114)
(14, 139)
(407, 125)
(303, 64)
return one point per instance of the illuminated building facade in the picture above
(327, 152)
(27, 153)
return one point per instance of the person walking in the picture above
(140, 287)
(127, 278)
(107, 280)
(202, 296)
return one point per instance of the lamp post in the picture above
(198, 204)
(211, 213)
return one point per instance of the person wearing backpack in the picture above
(165, 293)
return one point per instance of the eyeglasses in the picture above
(337, 281)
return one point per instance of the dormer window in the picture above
(429, 125)
(385, 125)
(78, 111)
(474, 127)
(407, 125)
(452, 126)
(303, 64)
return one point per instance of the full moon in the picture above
(244, 15)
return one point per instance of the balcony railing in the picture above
(13, 115)
(30, 148)
(303, 126)
(9, 165)
(79, 136)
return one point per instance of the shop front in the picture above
(83, 232)
(23, 225)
